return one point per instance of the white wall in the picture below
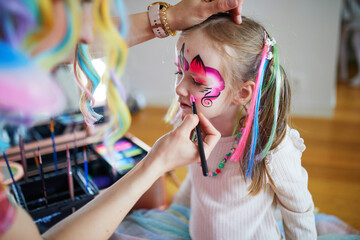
(307, 33)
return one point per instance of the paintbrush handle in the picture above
(201, 151)
(43, 180)
(54, 151)
(86, 169)
(23, 160)
(70, 177)
(204, 166)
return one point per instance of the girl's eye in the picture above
(197, 83)
(178, 73)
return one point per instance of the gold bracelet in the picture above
(163, 18)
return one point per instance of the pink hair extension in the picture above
(240, 149)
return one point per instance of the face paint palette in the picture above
(127, 154)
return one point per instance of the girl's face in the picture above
(200, 71)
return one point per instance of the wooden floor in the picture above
(332, 156)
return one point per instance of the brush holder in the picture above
(30, 196)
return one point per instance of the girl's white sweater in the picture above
(222, 209)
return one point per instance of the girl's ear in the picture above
(244, 93)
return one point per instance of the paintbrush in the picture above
(75, 153)
(199, 140)
(53, 143)
(42, 178)
(37, 163)
(69, 173)
(15, 184)
(10, 171)
(86, 168)
(22, 155)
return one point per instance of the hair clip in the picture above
(270, 42)
(269, 55)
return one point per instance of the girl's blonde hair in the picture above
(242, 48)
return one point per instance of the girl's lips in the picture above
(184, 106)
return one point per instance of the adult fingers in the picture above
(211, 134)
(188, 124)
(222, 5)
(235, 13)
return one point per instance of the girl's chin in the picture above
(183, 115)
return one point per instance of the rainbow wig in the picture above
(27, 91)
(116, 54)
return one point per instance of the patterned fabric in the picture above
(155, 224)
(7, 211)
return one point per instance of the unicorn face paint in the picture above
(209, 77)
(199, 68)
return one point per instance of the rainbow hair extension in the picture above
(278, 79)
(55, 55)
(117, 53)
(83, 62)
(255, 129)
(252, 120)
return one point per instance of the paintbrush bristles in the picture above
(51, 126)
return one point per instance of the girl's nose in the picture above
(86, 34)
(181, 89)
(87, 29)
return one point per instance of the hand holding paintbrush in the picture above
(199, 140)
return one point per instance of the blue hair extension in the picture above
(123, 25)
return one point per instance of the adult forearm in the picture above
(100, 217)
(184, 14)
(140, 29)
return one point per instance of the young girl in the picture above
(233, 72)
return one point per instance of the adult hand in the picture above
(175, 149)
(191, 12)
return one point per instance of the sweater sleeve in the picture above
(182, 197)
(290, 186)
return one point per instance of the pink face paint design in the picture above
(214, 82)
